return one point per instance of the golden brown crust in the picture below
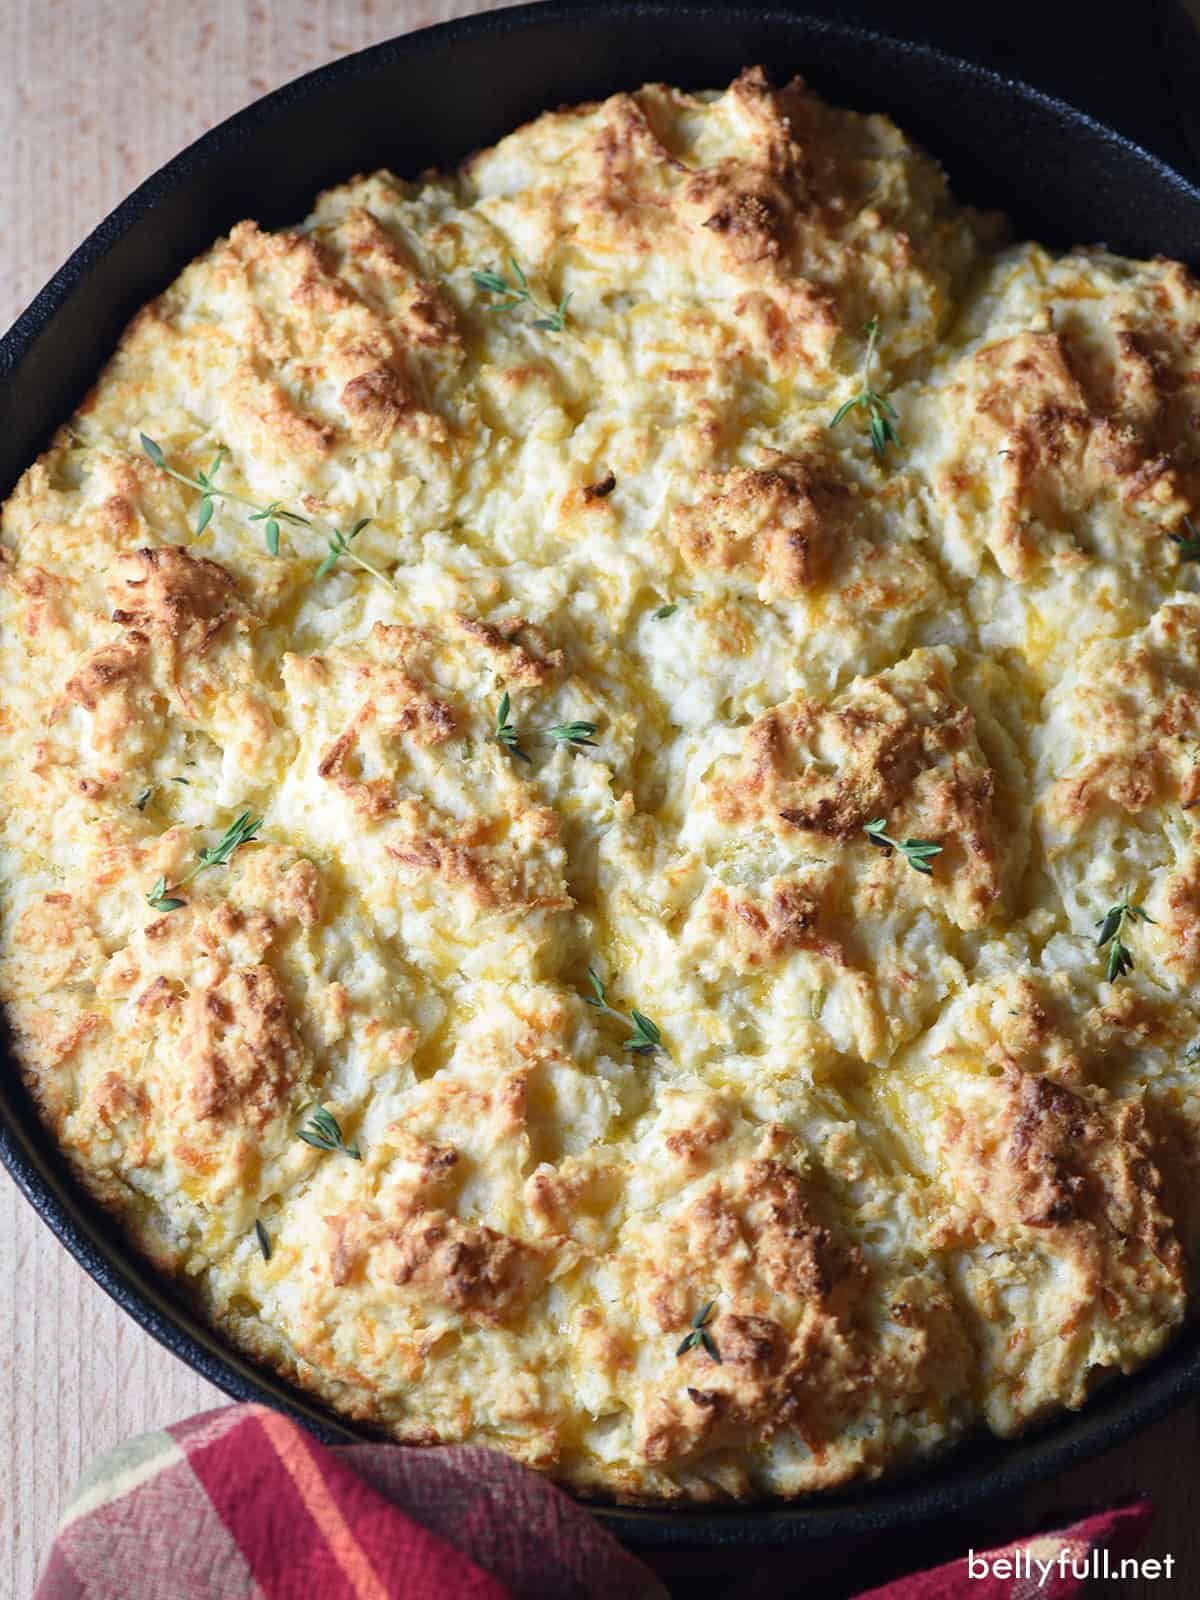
(899, 746)
(1141, 704)
(1079, 432)
(1057, 449)
(235, 1044)
(781, 524)
(797, 1253)
(762, 931)
(1056, 1160)
(519, 650)
(374, 358)
(169, 592)
(480, 1272)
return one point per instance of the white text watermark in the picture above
(1096, 1564)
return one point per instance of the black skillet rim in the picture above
(965, 1476)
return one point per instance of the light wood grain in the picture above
(94, 94)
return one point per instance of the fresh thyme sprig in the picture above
(271, 514)
(917, 852)
(575, 734)
(323, 1132)
(645, 1036)
(264, 1241)
(164, 896)
(1112, 926)
(1189, 543)
(505, 733)
(553, 318)
(878, 408)
(700, 1335)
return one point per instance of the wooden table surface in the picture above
(94, 94)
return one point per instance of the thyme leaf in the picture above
(917, 852)
(323, 1132)
(1189, 543)
(164, 896)
(505, 734)
(1112, 926)
(210, 491)
(878, 409)
(700, 1335)
(645, 1036)
(553, 319)
(339, 545)
(271, 515)
(264, 1241)
(573, 732)
(207, 482)
(160, 900)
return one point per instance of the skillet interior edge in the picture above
(429, 98)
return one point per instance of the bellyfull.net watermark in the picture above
(1093, 1564)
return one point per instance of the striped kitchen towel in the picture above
(243, 1504)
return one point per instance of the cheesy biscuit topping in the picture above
(598, 759)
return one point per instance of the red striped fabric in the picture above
(243, 1504)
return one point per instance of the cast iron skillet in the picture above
(429, 99)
